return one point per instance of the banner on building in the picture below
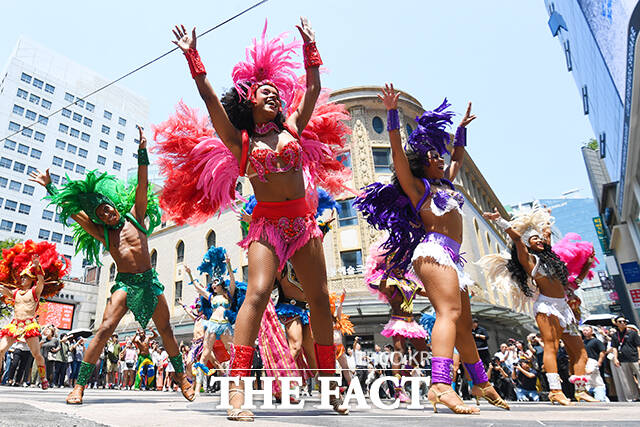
(56, 313)
(631, 271)
(635, 297)
(602, 237)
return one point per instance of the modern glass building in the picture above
(96, 132)
(599, 41)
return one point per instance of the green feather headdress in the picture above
(96, 189)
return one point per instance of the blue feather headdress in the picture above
(431, 134)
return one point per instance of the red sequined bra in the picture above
(266, 160)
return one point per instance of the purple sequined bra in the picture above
(442, 201)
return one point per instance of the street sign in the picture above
(606, 282)
(602, 237)
(631, 271)
(635, 297)
(615, 308)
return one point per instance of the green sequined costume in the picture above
(142, 293)
(86, 369)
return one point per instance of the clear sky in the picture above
(499, 54)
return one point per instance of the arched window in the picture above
(154, 258)
(180, 252)
(211, 239)
(112, 272)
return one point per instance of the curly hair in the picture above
(416, 164)
(553, 264)
(240, 112)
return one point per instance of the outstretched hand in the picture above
(38, 177)
(142, 138)
(492, 216)
(389, 97)
(468, 117)
(305, 30)
(183, 40)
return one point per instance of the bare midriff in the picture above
(449, 224)
(198, 329)
(549, 287)
(129, 249)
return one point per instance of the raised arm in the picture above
(140, 207)
(312, 62)
(227, 132)
(338, 313)
(81, 218)
(186, 310)
(585, 268)
(232, 280)
(6, 292)
(524, 257)
(39, 275)
(389, 98)
(459, 143)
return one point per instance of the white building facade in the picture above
(98, 132)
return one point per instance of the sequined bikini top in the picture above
(265, 160)
(442, 201)
(219, 301)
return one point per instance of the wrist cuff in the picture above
(51, 189)
(461, 137)
(502, 224)
(143, 157)
(195, 63)
(393, 120)
(311, 55)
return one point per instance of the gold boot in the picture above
(557, 396)
(583, 395)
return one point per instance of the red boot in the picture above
(240, 366)
(326, 359)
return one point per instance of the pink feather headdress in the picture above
(268, 62)
(575, 252)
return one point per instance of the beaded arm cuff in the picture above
(177, 363)
(461, 137)
(311, 55)
(86, 369)
(393, 120)
(502, 224)
(143, 157)
(51, 189)
(195, 63)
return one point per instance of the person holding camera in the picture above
(525, 378)
(481, 337)
(499, 377)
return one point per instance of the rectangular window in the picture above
(28, 189)
(34, 98)
(18, 110)
(68, 97)
(82, 153)
(6, 225)
(60, 144)
(39, 136)
(87, 121)
(58, 219)
(56, 237)
(55, 178)
(9, 144)
(31, 169)
(5, 163)
(381, 159)
(44, 234)
(107, 115)
(105, 129)
(68, 165)
(116, 165)
(80, 103)
(31, 115)
(47, 215)
(49, 88)
(14, 127)
(46, 104)
(90, 107)
(602, 141)
(20, 229)
(85, 137)
(10, 205)
(77, 117)
(122, 122)
(74, 133)
(4, 182)
(36, 154)
(66, 112)
(68, 240)
(25, 78)
(71, 148)
(104, 144)
(23, 149)
(80, 169)
(178, 294)
(28, 132)
(346, 213)
(22, 93)
(38, 83)
(63, 128)
(24, 209)
(43, 120)
(19, 167)
(120, 136)
(585, 99)
(57, 161)
(15, 186)
(118, 151)
(102, 160)
(351, 261)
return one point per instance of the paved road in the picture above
(33, 407)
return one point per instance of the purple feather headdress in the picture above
(387, 208)
(431, 134)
